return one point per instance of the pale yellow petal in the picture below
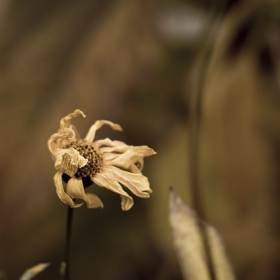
(63, 196)
(93, 201)
(110, 143)
(138, 184)
(119, 154)
(114, 149)
(137, 166)
(66, 121)
(55, 140)
(127, 202)
(77, 134)
(68, 161)
(108, 157)
(131, 155)
(66, 165)
(97, 125)
(134, 169)
(112, 185)
(65, 133)
(75, 188)
(33, 271)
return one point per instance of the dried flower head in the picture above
(106, 163)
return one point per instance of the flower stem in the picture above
(70, 212)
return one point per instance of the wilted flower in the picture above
(104, 162)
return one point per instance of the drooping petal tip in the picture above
(63, 196)
(127, 202)
(75, 189)
(102, 180)
(93, 201)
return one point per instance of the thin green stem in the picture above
(69, 221)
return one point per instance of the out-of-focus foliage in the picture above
(240, 137)
(189, 243)
(32, 272)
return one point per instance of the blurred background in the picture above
(137, 63)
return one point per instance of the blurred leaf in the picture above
(33, 271)
(189, 244)
(62, 268)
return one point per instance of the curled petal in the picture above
(67, 165)
(75, 189)
(55, 141)
(68, 161)
(77, 134)
(121, 147)
(66, 121)
(103, 181)
(66, 132)
(110, 143)
(63, 196)
(97, 125)
(131, 156)
(138, 184)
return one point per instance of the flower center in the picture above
(95, 161)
